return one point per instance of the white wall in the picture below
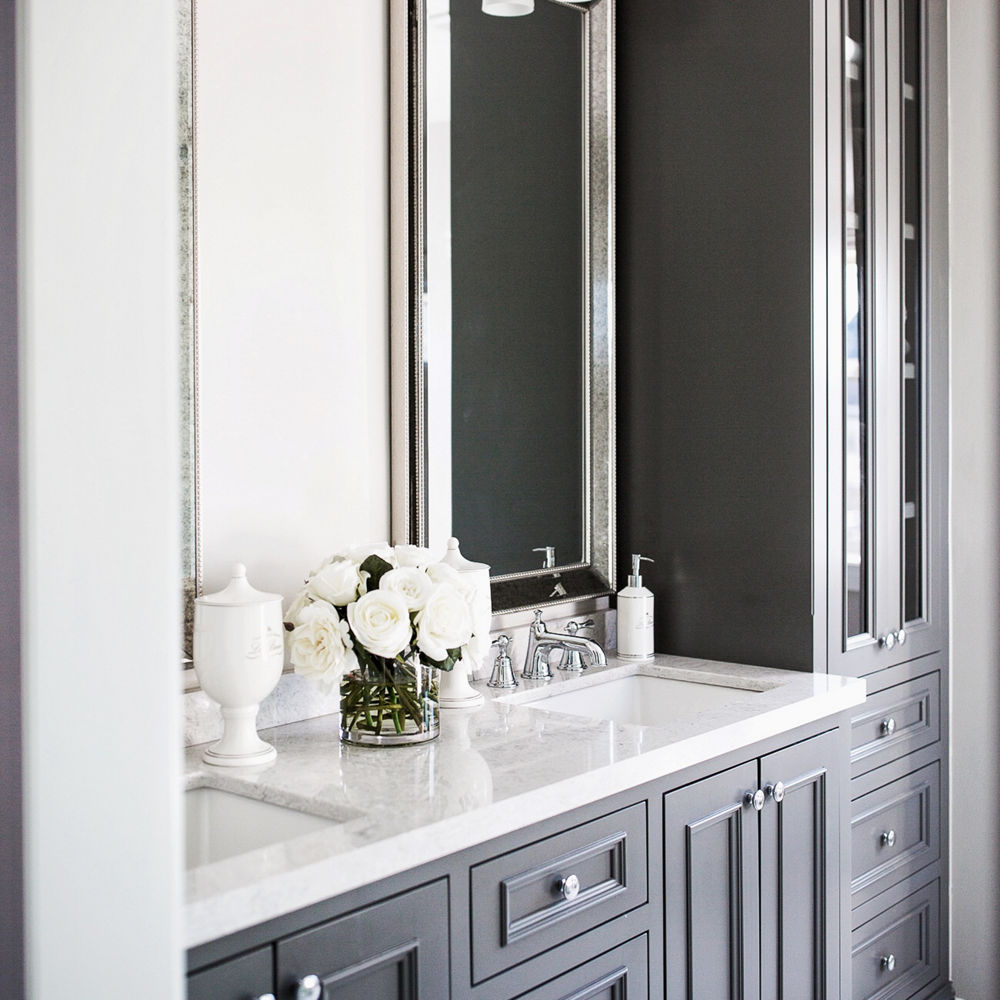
(974, 84)
(292, 283)
(100, 507)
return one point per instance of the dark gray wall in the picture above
(517, 283)
(11, 877)
(714, 322)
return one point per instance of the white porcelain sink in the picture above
(642, 699)
(222, 825)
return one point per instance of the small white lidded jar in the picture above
(239, 653)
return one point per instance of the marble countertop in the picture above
(493, 770)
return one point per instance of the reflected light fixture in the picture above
(508, 8)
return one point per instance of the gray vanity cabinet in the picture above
(394, 950)
(752, 895)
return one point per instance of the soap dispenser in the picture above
(635, 616)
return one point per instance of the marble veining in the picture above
(493, 770)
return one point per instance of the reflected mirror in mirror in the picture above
(503, 431)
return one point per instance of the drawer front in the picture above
(895, 831)
(895, 722)
(243, 978)
(619, 974)
(396, 949)
(541, 895)
(898, 952)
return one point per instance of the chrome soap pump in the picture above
(635, 616)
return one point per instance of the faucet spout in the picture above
(542, 643)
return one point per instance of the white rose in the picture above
(441, 572)
(338, 582)
(302, 600)
(413, 555)
(444, 623)
(320, 645)
(380, 621)
(359, 553)
(412, 584)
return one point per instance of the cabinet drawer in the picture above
(618, 974)
(526, 901)
(895, 831)
(895, 722)
(242, 978)
(394, 950)
(898, 952)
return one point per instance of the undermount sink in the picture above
(222, 825)
(642, 699)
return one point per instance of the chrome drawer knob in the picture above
(569, 887)
(888, 726)
(309, 988)
(776, 791)
(888, 640)
(901, 636)
(889, 838)
(755, 799)
(265, 996)
(889, 962)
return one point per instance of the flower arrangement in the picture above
(379, 623)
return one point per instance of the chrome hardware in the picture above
(755, 799)
(309, 988)
(541, 644)
(569, 887)
(776, 791)
(901, 636)
(887, 641)
(888, 838)
(888, 726)
(503, 671)
(571, 658)
(265, 996)
(550, 556)
(888, 962)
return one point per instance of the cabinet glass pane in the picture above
(856, 375)
(913, 327)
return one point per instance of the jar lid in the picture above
(454, 558)
(238, 593)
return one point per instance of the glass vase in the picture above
(388, 703)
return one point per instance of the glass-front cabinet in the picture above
(886, 368)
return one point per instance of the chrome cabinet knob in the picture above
(889, 838)
(776, 791)
(901, 636)
(569, 887)
(888, 640)
(755, 799)
(265, 996)
(889, 962)
(309, 988)
(888, 726)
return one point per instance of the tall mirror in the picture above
(502, 298)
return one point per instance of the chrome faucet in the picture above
(541, 644)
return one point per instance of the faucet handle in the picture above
(503, 672)
(550, 556)
(571, 658)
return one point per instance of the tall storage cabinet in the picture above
(783, 384)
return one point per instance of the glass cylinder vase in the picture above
(389, 703)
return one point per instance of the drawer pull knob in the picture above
(888, 962)
(265, 996)
(888, 726)
(901, 636)
(776, 791)
(309, 988)
(889, 838)
(888, 640)
(755, 799)
(569, 887)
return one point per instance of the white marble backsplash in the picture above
(296, 699)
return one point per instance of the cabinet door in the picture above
(800, 888)
(887, 413)
(247, 977)
(394, 950)
(710, 847)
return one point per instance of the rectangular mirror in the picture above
(502, 303)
